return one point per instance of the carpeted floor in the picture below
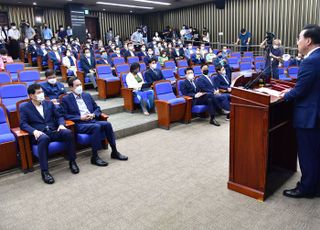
(174, 179)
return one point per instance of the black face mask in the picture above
(205, 72)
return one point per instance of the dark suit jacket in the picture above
(71, 110)
(33, 50)
(102, 61)
(31, 120)
(175, 55)
(204, 84)
(197, 61)
(147, 58)
(153, 75)
(53, 92)
(40, 53)
(53, 57)
(220, 83)
(85, 64)
(306, 93)
(128, 54)
(187, 89)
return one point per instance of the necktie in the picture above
(224, 77)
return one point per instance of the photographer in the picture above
(274, 53)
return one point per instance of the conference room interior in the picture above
(137, 69)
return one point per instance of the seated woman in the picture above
(135, 81)
(210, 56)
(163, 57)
(4, 58)
(70, 62)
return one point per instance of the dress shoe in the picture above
(74, 167)
(118, 156)
(98, 161)
(297, 193)
(228, 117)
(214, 122)
(47, 178)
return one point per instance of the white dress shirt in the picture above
(132, 83)
(208, 79)
(40, 109)
(310, 52)
(81, 105)
(14, 34)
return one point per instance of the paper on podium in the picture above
(269, 91)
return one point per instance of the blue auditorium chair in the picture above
(8, 148)
(190, 109)
(259, 65)
(13, 69)
(293, 72)
(234, 63)
(170, 65)
(123, 68)
(168, 74)
(248, 54)
(197, 70)
(133, 59)
(236, 54)
(85, 80)
(118, 60)
(54, 147)
(10, 94)
(259, 58)
(5, 78)
(169, 107)
(29, 76)
(182, 63)
(181, 72)
(282, 74)
(245, 66)
(247, 59)
(212, 69)
(108, 85)
(143, 66)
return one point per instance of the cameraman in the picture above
(274, 54)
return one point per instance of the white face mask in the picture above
(143, 49)
(68, 54)
(150, 52)
(153, 66)
(40, 97)
(52, 81)
(88, 55)
(78, 90)
(55, 48)
(117, 51)
(275, 47)
(190, 76)
(14, 27)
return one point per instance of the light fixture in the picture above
(131, 11)
(103, 9)
(38, 19)
(154, 2)
(125, 5)
(34, 3)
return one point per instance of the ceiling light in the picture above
(103, 9)
(131, 11)
(154, 2)
(34, 3)
(125, 5)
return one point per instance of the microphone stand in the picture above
(252, 82)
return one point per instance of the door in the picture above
(92, 24)
(4, 20)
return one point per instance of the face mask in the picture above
(14, 27)
(88, 55)
(78, 90)
(52, 81)
(5, 28)
(40, 97)
(189, 47)
(104, 56)
(54, 48)
(153, 66)
(154, 43)
(163, 55)
(43, 47)
(298, 58)
(150, 52)
(223, 72)
(68, 54)
(275, 47)
(202, 47)
(54, 42)
(205, 72)
(143, 49)
(112, 47)
(117, 51)
(135, 71)
(46, 27)
(190, 76)
(130, 48)
(198, 52)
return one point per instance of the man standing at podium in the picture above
(306, 97)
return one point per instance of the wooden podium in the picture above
(261, 138)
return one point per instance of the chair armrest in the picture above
(103, 117)
(69, 123)
(188, 113)
(19, 132)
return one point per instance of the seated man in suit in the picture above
(189, 88)
(105, 59)
(177, 53)
(32, 48)
(45, 124)
(52, 88)
(130, 52)
(142, 52)
(223, 80)
(197, 58)
(205, 84)
(150, 54)
(56, 57)
(88, 64)
(83, 110)
(43, 53)
(153, 74)
(117, 53)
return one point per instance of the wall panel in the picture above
(283, 17)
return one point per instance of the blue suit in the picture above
(55, 60)
(306, 120)
(53, 91)
(86, 66)
(109, 62)
(208, 86)
(197, 61)
(148, 57)
(31, 120)
(97, 129)
(44, 57)
(190, 90)
(222, 83)
(153, 75)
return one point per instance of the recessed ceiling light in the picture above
(69, 0)
(131, 11)
(154, 2)
(125, 5)
(103, 9)
(34, 3)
